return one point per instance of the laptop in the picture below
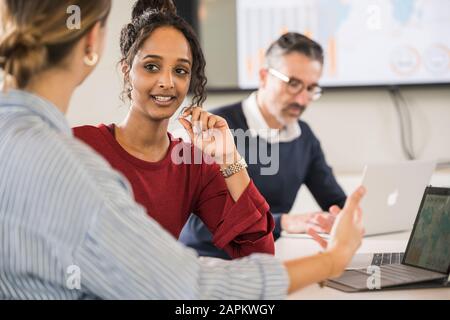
(426, 262)
(393, 195)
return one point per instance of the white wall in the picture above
(97, 100)
(354, 126)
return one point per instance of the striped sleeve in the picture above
(62, 205)
(127, 255)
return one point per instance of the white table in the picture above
(289, 247)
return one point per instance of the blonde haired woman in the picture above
(68, 224)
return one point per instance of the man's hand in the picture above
(320, 222)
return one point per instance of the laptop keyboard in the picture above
(380, 259)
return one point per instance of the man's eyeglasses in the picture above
(295, 86)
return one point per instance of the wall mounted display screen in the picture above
(366, 42)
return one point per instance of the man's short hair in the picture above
(294, 42)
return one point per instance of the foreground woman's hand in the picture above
(346, 234)
(346, 237)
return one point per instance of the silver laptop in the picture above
(393, 195)
(426, 262)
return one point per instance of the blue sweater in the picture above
(300, 162)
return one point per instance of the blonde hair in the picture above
(34, 34)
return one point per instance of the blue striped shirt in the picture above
(70, 229)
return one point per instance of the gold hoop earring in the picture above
(91, 60)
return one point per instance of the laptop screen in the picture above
(429, 245)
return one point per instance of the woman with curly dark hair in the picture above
(162, 61)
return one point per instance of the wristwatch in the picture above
(234, 168)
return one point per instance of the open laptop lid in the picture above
(429, 244)
(394, 194)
